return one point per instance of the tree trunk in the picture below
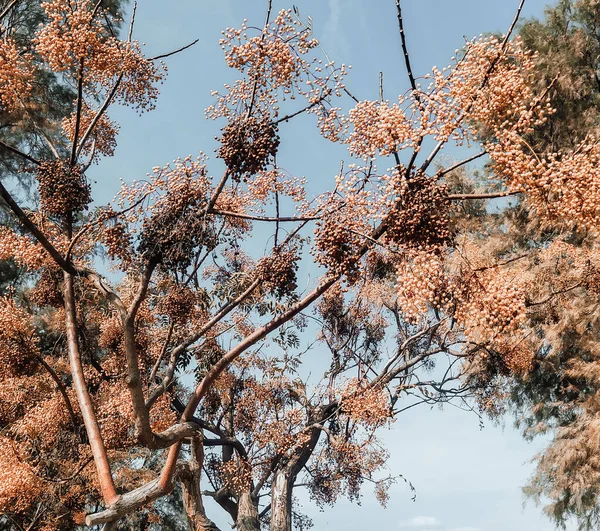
(281, 500)
(107, 486)
(192, 495)
(247, 519)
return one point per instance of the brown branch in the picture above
(308, 107)
(163, 351)
(19, 153)
(409, 71)
(263, 218)
(491, 195)
(61, 388)
(78, 114)
(35, 231)
(99, 114)
(175, 353)
(8, 8)
(459, 164)
(162, 56)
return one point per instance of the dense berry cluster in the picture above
(117, 240)
(63, 188)
(75, 42)
(420, 283)
(18, 344)
(420, 218)
(279, 272)
(379, 127)
(248, 145)
(48, 289)
(16, 75)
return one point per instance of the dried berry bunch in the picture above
(279, 272)
(338, 246)
(420, 218)
(174, 232)
(248, 145)
(63, 188)
(117, 240)
(178, 303)
(47, 290)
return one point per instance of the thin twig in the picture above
(491, 195)
(459, 164)
(162, 56)
(8, 8)
(19, 153)
(281, 219)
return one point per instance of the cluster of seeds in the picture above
(21, 487)
(75, 38)
(178, 303)
(47, 290)
(23, 250)
(338, 247)
(379, 127)
(563, 186)
(248, 145)
(365, 404)
(117, 241)
(16, 75)
(18, 344)
(490, 304)
(518, 358)
(236, 475)
(270, 56)
(63, 188)
(420, 283)
(178, 223)
(279, 272)
(103, 138)
(420, 217)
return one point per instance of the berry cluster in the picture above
(248, 145)
(63, 188)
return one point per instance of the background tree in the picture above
(560, 394)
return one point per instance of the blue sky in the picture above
(467, 479)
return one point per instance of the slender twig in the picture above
(162, 56)
(74, 151)
(307, 108)
(409, 71)
(459, 164)
(281, 219)
(61, 388)
(491, 195)
(35, 231)
(8, 8)
(19, 153)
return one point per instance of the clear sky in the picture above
(467, 479)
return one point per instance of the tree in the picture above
(559, 395)
(192, 287)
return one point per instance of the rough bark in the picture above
(285, 477)
(190, 486)
(281, 500)
(247, 518)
